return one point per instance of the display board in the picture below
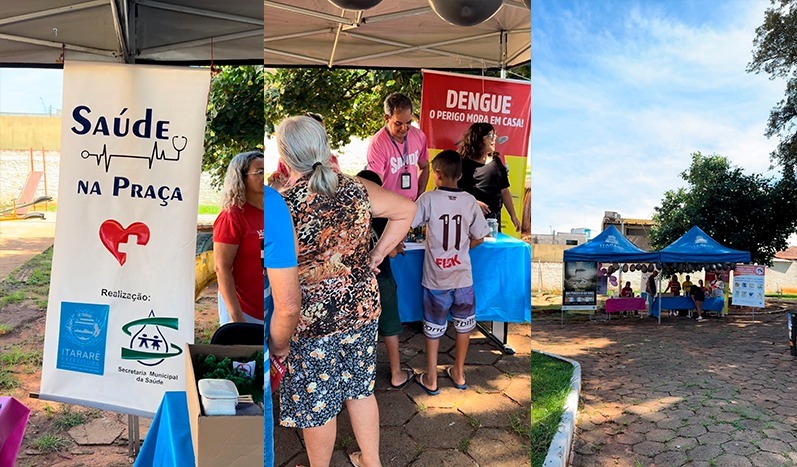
(580, 286)
(748, 285)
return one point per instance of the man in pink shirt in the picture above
(398, 152)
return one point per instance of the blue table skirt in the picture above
(501, 281)
(686, 303)
(168, 441)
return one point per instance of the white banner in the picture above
(748, 285)
(121, 302)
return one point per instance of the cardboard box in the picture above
(222, 440)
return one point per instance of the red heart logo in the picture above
(112, 234)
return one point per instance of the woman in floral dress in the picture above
(332, 360)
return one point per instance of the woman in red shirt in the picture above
(238, 241)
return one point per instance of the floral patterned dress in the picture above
(333, 351)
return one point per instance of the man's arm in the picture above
(423, 176)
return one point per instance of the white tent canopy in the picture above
(37, 32)
(393, 34)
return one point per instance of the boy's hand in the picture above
(474, 242)
(398, 250)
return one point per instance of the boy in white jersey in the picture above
(454, 225)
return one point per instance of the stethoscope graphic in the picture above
(179, 143)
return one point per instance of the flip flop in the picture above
(419, 382)
(410, 376)
(458, 386)
(355, 457)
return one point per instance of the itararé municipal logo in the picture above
(148, 342)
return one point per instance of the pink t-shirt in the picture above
(387, 158)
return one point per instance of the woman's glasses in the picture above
(259, 172)
(492, 136)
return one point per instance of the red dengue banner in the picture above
(450, 103)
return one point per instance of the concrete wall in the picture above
(21, 132)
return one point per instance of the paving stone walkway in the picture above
(720, 393)
(476, 427)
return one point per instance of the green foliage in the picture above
(5, 328)
(235, 120)
(209, 366)
(69, 418)
(7, 380)
(16, 356)
(13, 297)
(775, 53)
(744, 212)
(350, 101)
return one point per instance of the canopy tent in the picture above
(393, 34)
(43, 32)
(696, 246)
(610, 246)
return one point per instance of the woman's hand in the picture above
(279, 351)
(374, 260)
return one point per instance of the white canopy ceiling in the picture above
(393, 34)
(37, 32)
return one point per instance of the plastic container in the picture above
(493, 225)
(219, 396)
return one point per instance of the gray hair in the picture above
(234, 189)
(303, 146)
(397, 101)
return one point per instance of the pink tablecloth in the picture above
(616, 305)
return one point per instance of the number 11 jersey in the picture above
(452, 218)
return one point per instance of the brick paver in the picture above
(718, 393)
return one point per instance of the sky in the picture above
(31, 91)
(624, 91)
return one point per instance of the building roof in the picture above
(789, 253)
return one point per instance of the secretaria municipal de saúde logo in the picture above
(82, 337)
(148, 342)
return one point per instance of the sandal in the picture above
(431, 392)
(456, 385)
(410, 376)
(355, 457)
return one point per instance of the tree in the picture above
(775, 53)
(349, 100)
(235, 117)
(745, 212)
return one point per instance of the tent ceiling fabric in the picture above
(35, 32)
(393, 34)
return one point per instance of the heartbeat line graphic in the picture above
(104, 158)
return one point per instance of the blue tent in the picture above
(695, 246)
(610, 246)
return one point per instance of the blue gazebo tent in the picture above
(696, 246)
(610, 246)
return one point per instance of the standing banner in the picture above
(748, 285)
(451, 103)
(580, 286)
(121, 305)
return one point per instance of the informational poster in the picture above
(121, 304)
(451, 103)
(580, 286)
(748, 285)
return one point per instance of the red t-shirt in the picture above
(244, 227)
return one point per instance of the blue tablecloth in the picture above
(168, 441)
(501, 281)
(685, 303)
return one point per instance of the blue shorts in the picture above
(437, 304)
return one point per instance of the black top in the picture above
(485, 182)
(378, 225)
(651, 288)
(697, 293)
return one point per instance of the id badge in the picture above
(406, 183)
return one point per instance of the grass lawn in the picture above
(550, 384)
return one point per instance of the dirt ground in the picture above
(48, 419)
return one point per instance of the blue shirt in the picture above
(279, 251)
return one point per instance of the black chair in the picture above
(238, 334)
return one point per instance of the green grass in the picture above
(15, 356)
(8, 381)
(68, 417)
(12, 297)
(29, 281)
(49, 443)
(463, 445)
(550, 385)
(5, 328)
(209, 209)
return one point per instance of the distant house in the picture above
(636, 230)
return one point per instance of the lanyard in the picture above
(405, 156)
